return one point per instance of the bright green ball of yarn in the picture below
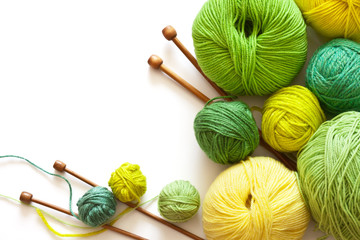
(128, 183)
(329, 176)
(97, 206)
(333, 75)
(226, 131)
(250, 47)
(178, 201)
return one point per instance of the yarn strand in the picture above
(52, 174)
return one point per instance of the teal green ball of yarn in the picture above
(329, 176)
(226, 131)
(97, 206)
(250, 47)
(333, 75)
(179, 201)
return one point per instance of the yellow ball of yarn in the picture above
(128, 183)
(256, 199)
(333, 18)
(290, 117)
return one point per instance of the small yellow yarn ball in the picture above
(290, 117)
(257, 199)
(333, 18)
(128, 183)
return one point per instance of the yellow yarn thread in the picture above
(257, 199)
(333, 18)
(290, 117)
(128, 183)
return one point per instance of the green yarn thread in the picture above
(52, 174)
(178, 201)
(329, 176)
(226, 131)
(97, 206)
(333, 75)
(250, 47)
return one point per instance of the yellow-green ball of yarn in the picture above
(179, 201)
(290, 117)
(128, 183)
(257, 199)
(329, 176)
(333, 18)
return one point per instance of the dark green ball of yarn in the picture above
(226, 131)
(97, 206)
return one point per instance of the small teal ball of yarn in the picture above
(226, 131)
(179, 201)
(250, 47)
(333, 75)
(97, 206)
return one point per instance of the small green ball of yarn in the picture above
(128, 183)
(97, 206)
(226, 131)
(250, 47)
(329, 176)
(178, 201)
(333, 75)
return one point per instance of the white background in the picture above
(75, 86)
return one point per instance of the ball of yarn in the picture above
(128, 183)
(254, 200)
(178, 201)
(333, 18)
(333, 75)
(250, 47)
(329, 176)
(226, 131)
(290, 117)
(97, 206)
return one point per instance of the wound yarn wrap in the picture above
(128, 183)
(332, 18)
(257, 199)
(250, 47)
(333, 75)
(97, 206)
(329, 176)
(290, 117)
(178, 201)
(226, 131)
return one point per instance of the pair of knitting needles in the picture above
(27, 198)
(156, 62)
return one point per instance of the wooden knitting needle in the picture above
(27, 198)
(170, 34)
(60, 166)
(157, 63)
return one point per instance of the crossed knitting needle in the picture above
(60, 166)
(27, 198)
(157, 63)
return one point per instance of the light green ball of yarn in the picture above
(250, 47)
(333, 75)
(226, 131)
(97, 206)
(179, 201)
(329, 176)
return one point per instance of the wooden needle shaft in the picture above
(157, 63)
(60, 166)
(27, 198)
(170, 34)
